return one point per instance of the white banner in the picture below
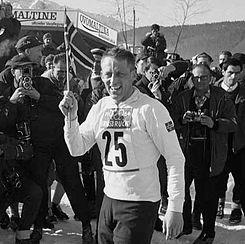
(48, 18)
(97, 29)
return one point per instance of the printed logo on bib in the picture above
(117, 118)
(169, 126)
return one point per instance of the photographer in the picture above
(203, 117)
(30, 48)
(155, 44)
(48, 143)
(16, 151)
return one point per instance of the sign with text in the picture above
(97, 29)
(38, 17)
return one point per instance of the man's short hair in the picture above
(201, 65)
(141, 56)
(240, 57)
(120, 54)
(226, 53)
(155, 27)
(204, 54)
(27, 42)
(232, 62)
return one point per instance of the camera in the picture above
(26, 81)
(155, 76)
(196, 116)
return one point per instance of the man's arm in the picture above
(79, 139)
(161, 129)
(227, 118)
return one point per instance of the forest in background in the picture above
(211, 38)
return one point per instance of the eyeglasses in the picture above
(201, 78)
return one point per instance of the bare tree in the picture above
(124, 11)
(185, 10)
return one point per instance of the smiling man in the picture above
(132, 130)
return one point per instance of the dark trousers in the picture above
(100, 183)
(30, 194)
(126, 222)
(235, 164)
(99, 176)
(68, 173)
(206, 188)
(190, 175)
(209, 204)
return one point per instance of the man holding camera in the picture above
(203, 118)
(155, 44)
(16, 150)
(29, 47)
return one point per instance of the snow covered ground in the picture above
(69, 232)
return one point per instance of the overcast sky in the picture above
(164, 12)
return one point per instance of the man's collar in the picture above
(207, 94)
(229, 88)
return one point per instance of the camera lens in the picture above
(27, 83)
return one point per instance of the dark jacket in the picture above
(222, 111)
(49, 49)
(239, 135)
(47, 121)
(158, 44)
(142, 85)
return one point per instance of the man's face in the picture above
(97, 57)
(35, 54)
(59, 71)
(150, 73)
(203, 60)
(222, 58)
(118, 77)
(154, 32)
(231, 75)
(201, 78)
(49, 65)
(140, 66)
(47, 41)
(17, 73)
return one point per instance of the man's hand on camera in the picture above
(206, 120)
(188, 117)
(69, 105)
(18, 95)
(33, 93)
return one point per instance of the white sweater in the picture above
(131, 137)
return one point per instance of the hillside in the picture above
(211, 38)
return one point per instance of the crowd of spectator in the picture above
(206, 104)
